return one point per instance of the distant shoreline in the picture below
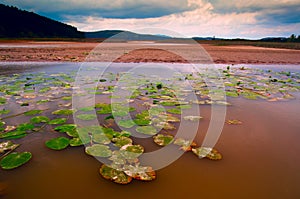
(78, 51)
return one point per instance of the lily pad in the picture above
(131, 151)
(69, 129)
(122, 141)
(87, 109)
(7, 146)
(174, 110)
(39, 119)
(192, 118)
(25, 127)
(186, 145)
(58, 143)
(15, 160)
(58, 121)
(114, 175)
(140, 173)
(147, 130)
(126, 123)
(207, 152)
(163, 140)
(76, 142)
(98, 150)
(63, 112)
(13, 134)
(101, 138)
(2, 100)
(86, 116)
(235, 122)
(33, 112)
(4, 111)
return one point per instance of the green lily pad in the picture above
(98, 150)
(174, 110)
(7, 146)
(131, 151)
(58, 121)
(163, 140)
(76, 142)
(58, 143)
(33, 112)
(87, 109)
(39, 119)
(207, 152)
(168, 103)
(232, 94)
(2, 123)
(192, 117)
(140, 173)
(126, 123)
(101, 138)
(13, 134)
(147, 130)
(63, 112)
(69, 129)
(25, 127)
(15, 160)
(67, 98)
(86, 116)
(142, 122)
(122, 141)
(114, 175)
(4, 111)
(2, 100)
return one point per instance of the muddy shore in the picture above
(144, 52)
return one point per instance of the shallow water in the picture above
(260, 160)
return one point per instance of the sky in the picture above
(251, 19)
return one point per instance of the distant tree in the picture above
(292, 38)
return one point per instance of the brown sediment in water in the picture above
(144, 52)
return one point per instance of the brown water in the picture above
(260, 160)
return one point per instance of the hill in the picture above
(16, 23)
(123, 35)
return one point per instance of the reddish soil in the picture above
(144, 52)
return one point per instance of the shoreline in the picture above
(143, 52)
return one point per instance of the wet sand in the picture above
(144, 52)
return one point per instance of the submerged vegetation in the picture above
(155, 110)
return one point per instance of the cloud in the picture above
(104, 8)
(220, 18)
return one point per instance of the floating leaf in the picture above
(114, 175)
(4, 111)
(63, 112)
(7, 146)
(76, 142)
(58, 143)
(174, 110)
(98, 150)
(142, 122)
(232, 94)
(39, 119)
(67, 98)
(33, 112)
(147, 130)
(192, 118)
(207, 152)
(87, 109)
(25, 127)
(235, 122)
(126, 123)
(163, 140)
(122, 141)
(101, 138)
(15, 160)
(58, 121)
(13, 134)
(86, 116)
(70, 129)
(131, 151)
(186, 145)
(2, 100)
(140, 173)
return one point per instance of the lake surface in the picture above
(260, 156)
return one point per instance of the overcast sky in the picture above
(219, 18)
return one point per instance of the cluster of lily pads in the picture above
(154, 111)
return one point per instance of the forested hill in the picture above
(16, 23)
